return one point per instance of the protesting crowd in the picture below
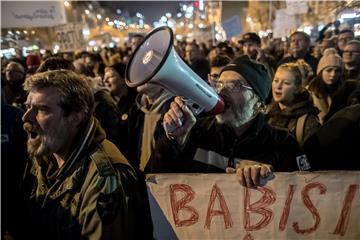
(79, 140)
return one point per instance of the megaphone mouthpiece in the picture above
(219, 107)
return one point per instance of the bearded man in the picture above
(80, 186)
(236, 140)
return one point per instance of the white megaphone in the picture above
(156, 61)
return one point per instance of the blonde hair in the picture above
(293, 68)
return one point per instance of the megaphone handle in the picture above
(195, 108)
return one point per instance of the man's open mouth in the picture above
(226, 101)
(31, 131)
(33, 135)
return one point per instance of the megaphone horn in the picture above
(155, 61)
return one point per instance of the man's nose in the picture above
(28, 115)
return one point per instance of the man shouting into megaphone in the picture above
(238, 140)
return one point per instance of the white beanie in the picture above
(330, 58)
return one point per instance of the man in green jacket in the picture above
(79, 185)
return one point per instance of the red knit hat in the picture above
(33, 60)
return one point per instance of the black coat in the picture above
(335, 146)
(13, 161)
(261, 142)
(289, 117)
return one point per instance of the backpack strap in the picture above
(300, 128)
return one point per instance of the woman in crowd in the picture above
(327, 82)
(124, 97)
(292, 107)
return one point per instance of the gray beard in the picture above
(236, 119)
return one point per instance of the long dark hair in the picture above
(320, 89)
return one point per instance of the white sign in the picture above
(283, 24)
(296, 7)
(319, 205)
(23, 14)
(70, 37)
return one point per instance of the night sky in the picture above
(152, 10)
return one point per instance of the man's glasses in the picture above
(231, 85)
(351, 52)
(213, 77)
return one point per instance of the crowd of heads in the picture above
(336, 55)
(261, 82)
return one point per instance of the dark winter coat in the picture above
(13, 161)
(335, 146)
(348, 94)
(107, 113)
(211, 146)
(289, 117)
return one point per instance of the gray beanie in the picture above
(254, 73)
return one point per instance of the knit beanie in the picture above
(330, 58)
(33, 60)
(254, 73)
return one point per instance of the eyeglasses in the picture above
(213, 77)
(230, 85)
(352, 52)
(344, 39)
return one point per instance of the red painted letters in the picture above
(286, 210)
(266, 200)
(311, 207)
(190, 216)
(216, 193)
(345, 212)
(177, 205)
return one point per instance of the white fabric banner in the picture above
(299, 205)
(25, 14)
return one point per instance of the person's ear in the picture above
(77, 117)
